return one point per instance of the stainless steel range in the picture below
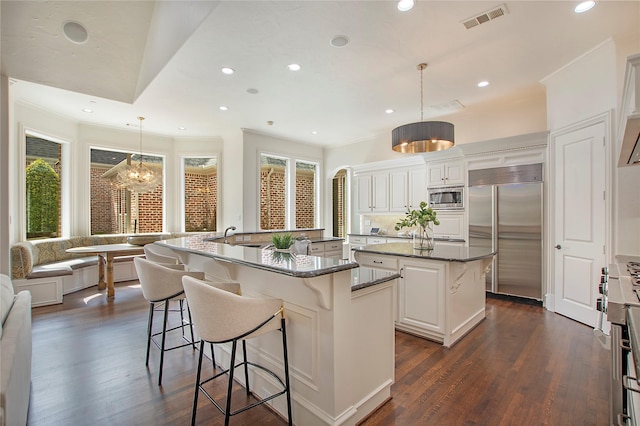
(620, 301)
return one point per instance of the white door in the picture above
(579, 208)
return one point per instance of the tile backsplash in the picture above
(386, 223)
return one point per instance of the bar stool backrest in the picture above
(159, 282)
(154, 255)
(221, 316)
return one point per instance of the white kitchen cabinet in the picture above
(436, 298)
(452, 225)
(399, 189)
(446, 174)
(330, 249)
(407, 189)
(378, 261)
(421, 300)
(373, 192)
(417, 186)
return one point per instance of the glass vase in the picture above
(423, 238)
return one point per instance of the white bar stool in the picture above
(220, 317)
(162, 284)
(153, 254)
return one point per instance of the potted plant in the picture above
(282, 242)
(424, 218)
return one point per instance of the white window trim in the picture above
(65, 180)
(290, 207)
(183, 207)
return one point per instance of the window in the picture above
(200, 193)
(339, 186)
(305, 195)
(273, 192)
(115, 209)
(288, 198)
(43, 188)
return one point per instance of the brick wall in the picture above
(109, 207)
(273, 198)
(305, 199)
(201, 198)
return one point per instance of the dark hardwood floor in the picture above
(522, 365)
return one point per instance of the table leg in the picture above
(110, 288)
(101, 283)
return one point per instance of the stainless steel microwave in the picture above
(451, 198)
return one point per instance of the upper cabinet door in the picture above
(399, 191)
(454, 173)
(444, 174)
(364, 200)
(380, 192)
(436, 174)
(417, 187)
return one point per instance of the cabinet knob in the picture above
(558, 246)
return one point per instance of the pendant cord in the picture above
(140, 118)
(421, 97)
(421, 67)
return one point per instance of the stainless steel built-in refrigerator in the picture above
(505, 213)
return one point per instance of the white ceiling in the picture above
(162, 60)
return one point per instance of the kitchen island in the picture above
(340, 326)
(441, 292)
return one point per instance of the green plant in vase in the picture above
(424, 218)
(282, 241)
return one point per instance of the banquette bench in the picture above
(45, 268)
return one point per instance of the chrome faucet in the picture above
(231, 228)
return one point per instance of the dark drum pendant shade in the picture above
(423, 136)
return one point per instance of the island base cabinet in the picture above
(421, 301)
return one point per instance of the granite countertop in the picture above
(364, 277)
(407, 237)
(301, 266)
(325, 239)
(445, 252)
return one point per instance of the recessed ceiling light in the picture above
(339, 41)
(293, 67)
(404, 5)
(227, 70)
(483, 84)
(223, 108)
(388, 111)
(314, 132)
(584, 6)
(89, 110)
(182, 128)
(75, 32)
(253, 91)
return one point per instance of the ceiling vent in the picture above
(485, 17)
(447, 107)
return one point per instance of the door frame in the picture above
(605, 118)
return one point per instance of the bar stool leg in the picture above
(213, 357)
(227, 415)
(286, 370)
(193, 343)
(197, 391)
(164, 338)
(246, 367)
(149, 331)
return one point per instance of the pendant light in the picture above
(138, 177)
(423, 136)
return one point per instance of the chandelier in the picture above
(423, 136)
(138, 177)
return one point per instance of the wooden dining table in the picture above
(106, 254)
